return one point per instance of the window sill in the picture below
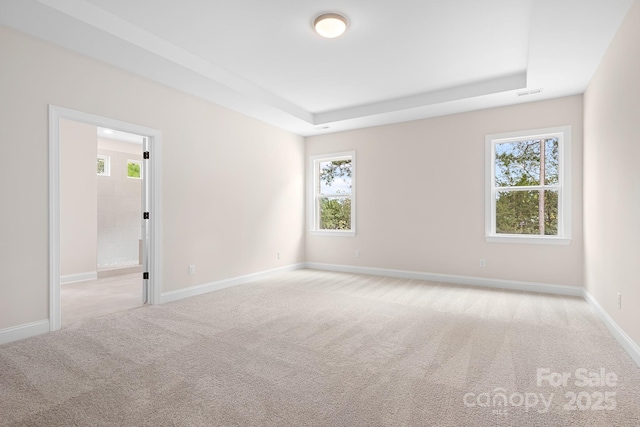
(337, 233)
(539, 240)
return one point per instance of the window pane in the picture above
(517, 163)
(133, 169)
(101, 166)
(335, 213)
(518, 212)
(551, 212)
(335, 177)
(551, 161)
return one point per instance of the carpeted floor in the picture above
(312, 348)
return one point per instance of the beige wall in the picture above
(612, 178)
(232, 186)
(78, 195)
(420, 197)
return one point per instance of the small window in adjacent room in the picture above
(528, 186)
(333, 181)
(104, 166)
(134, 169)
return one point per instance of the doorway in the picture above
(101, 223)
(146, 170)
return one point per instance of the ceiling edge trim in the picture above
(486, 87)
(124, 30)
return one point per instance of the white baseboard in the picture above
(226, 283)
(459, 280)
(24, 331)
(78, 277)
(619, 334)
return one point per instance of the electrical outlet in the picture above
(279, 255)
(192, 270)
(483, 262)
(619, 300)
(357, 254)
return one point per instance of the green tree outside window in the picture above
(133, 169)
(335, 195)
(518, 166)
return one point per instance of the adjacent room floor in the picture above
(95, 298)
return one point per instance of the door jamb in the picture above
(153, 174)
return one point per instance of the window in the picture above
(134, 169)
(333, 180)
(529, 187)
(104, 165)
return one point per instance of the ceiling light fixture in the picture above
(330, 25)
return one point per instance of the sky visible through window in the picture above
(518, 163)
(335, 180)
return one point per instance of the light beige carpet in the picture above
(96, 298)
(312, 348)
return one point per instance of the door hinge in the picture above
(145, 215)
(145, 155)
(145, 275)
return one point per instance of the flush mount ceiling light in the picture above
(330, 25)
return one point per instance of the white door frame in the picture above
(155, 222)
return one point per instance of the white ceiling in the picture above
(398, 61)
(119, 135)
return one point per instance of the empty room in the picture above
(338, 213)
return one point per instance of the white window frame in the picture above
(563, 133)
(314, 185)
(107, 165)
(139, 162)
